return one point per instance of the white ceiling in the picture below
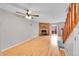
(48, 12)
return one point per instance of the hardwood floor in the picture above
(39, 46)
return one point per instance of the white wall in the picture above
(14, 29)
(72, 43)
(76, 41)
(69, 45)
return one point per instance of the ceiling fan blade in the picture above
(27, 10)
(20, 13)
(33, 11)
(35, 15)
(20, 16)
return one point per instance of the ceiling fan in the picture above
(28, 14)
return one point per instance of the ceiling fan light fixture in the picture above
(28, 17)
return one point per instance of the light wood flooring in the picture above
(39, 46)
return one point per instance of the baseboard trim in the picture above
(17, 44)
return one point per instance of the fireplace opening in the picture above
(44, 32)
